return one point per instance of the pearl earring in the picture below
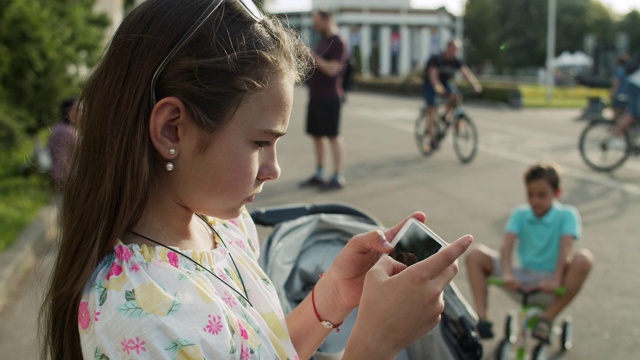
(169, 165)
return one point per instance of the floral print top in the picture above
(147, 302)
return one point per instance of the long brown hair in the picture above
(108, 188)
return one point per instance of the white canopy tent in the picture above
(577, 59)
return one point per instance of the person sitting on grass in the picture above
(543, 232)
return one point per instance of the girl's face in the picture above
(239, 158)
(541, 195)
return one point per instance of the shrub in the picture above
(43, 46)
(20, 200)
(22, 191)
(498, 92)
(12, 127)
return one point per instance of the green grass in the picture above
(22, 193)
(535, 96)
(20, 200)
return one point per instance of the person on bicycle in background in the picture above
(632, 112)
(619, 96)
(437, 73)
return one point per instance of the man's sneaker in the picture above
(426, 145)
(336, 183)
(484, 329)
(312, 181)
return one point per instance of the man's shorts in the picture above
(620, 101)
(633, 105)
(429, 92)
(323, 116)
(526, 277)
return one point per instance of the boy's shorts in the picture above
(526, 277)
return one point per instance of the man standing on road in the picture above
(325, 99)
(438, 71)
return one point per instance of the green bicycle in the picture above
(517, 334)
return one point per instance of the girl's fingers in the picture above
(381, 240)
(391, 232)
(444, 258)
(386, 267)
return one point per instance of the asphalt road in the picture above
(388, 178)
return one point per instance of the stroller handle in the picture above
(274, 215)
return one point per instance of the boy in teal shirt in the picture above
(543, 231)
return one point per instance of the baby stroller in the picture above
(305, 240)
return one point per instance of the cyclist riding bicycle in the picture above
(438, 71)
(632, 112)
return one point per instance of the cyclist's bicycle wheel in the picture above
(465, 138)
(423, 140)
(598, 149)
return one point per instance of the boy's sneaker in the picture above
(542, 330)
(336, 183)
(312, 181)
(484, 329)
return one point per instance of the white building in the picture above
(388, 37)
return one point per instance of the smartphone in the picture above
(415, 242)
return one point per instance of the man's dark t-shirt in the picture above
(446, 67)
(320, 84)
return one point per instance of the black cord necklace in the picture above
(243, 295)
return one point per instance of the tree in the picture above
(630, 25)
(513, 34)
(522, 33)
(571, 23)
(44, 45)
(481, 30)
(600, 22)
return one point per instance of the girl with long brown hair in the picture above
(158, 257)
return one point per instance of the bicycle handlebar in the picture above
(497, 281)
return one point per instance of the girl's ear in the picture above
(167, 125)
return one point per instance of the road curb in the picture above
(20, 257)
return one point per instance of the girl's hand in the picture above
(345, 277)
(401, 304)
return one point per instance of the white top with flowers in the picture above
(152, 303)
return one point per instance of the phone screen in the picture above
(416, 243)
